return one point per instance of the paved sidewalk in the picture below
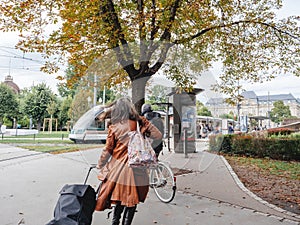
(30, 183)
(214, 178)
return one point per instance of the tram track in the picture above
(21, 156)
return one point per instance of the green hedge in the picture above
(248, 145)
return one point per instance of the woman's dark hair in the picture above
(123, 109)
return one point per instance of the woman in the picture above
(123, 186)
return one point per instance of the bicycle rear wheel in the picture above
(163, 182)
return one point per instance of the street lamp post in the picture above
(89, 99)
(238, 116)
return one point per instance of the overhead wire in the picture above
(15, 55)
(10, 53)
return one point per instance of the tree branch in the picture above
(279, 30)
(147, 51)
(162, 58)
(141, 19)
(185, 40)
(166, 34)
(153, 19)
(123, 52)
(142, 35)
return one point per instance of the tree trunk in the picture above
(39, 125)
(138, 92)
(14, 123)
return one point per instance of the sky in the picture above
(25, 68)
(283, 84)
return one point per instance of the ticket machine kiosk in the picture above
(184, 119)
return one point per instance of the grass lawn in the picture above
(41, 134)
(54, 142)
(34, 141)
(60, 148)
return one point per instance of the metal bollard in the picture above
(185, 146)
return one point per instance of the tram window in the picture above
(101, 125)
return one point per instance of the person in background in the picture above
(122, 185)
(155, 119)
(230, 129)
(204, 131)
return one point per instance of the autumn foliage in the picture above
(179, 39)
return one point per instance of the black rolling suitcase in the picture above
(76, 204)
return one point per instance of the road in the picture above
(30, 183)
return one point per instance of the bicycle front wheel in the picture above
(163, 182)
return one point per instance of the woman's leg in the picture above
(128, 215)
(117, 214)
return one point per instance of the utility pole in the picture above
(95, 90)
(238, 107)
(103, 97)
(269, 113)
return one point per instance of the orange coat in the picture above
(120, 182)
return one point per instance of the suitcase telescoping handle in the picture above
(92, 166)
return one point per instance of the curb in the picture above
(281, 219)
(251, 194)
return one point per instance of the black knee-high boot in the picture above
(117, 214)
(128, 215)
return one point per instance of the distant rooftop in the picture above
(215, 101)
(282, 97)
(252, 95)
(249, 95)
(9, 82)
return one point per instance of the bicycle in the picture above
(163, 182)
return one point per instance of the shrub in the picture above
(215, 142)
(295, 135)
(226, 143)
(241, 144)
(261, 147)
(287, 148)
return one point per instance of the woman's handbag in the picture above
(140, 151)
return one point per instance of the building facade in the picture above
(254, 106)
